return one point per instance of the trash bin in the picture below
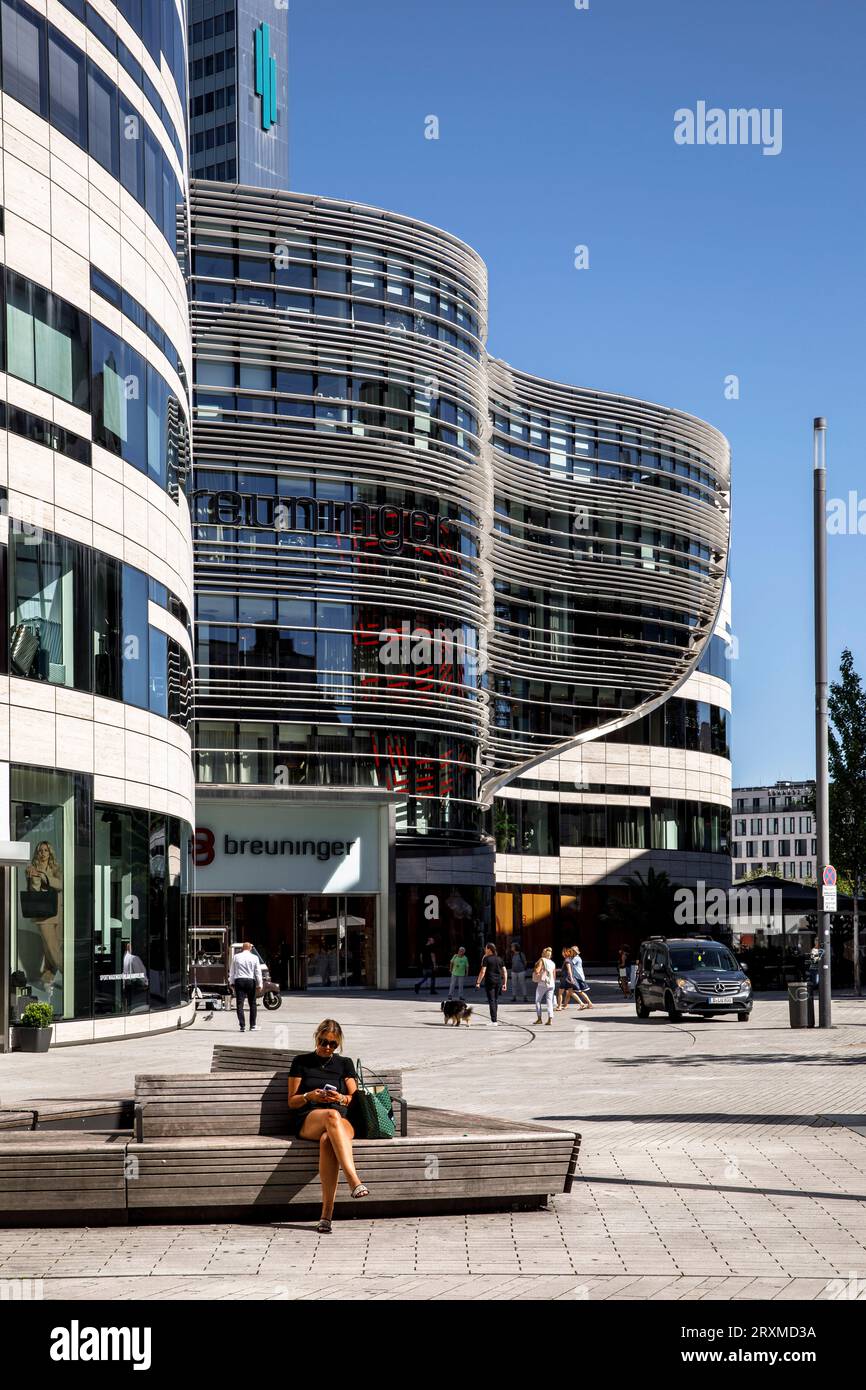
(801, 1006)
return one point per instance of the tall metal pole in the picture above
(822, 786)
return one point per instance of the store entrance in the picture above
(340, 937)
(311, 942)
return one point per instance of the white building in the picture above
(774, 830)
(96, 553)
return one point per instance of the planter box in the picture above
(32, 1039)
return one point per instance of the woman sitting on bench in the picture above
(321, 1085)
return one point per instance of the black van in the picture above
(690, 975)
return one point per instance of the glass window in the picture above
(628, 827)
(158, 672)
(47, 341)
(119, 397)
(540, 827)
(180, 687)
(135, 643)
(121, 900)
(107, 626)
(67, 88)
(152, 176)
(158, 444)
(667, 832)
(24, 56)
(131, 147)
(52, 901)
(102, 119)
(49, 609)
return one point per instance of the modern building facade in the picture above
(774, 830)
(96, 557)
(239, 84)
(420, 575)
(655, 794)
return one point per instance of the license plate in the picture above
(720, 999)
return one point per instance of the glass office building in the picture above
(96, 558)
(239, 87)
(422, 578)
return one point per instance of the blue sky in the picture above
(556, 128)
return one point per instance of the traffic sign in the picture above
(829, 876)
(828, 903)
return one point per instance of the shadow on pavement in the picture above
(691, 1059)
(728, 1187)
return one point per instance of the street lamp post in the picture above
(822, 787)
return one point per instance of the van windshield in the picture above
(702, 958)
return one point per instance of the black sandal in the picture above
(324, 1227)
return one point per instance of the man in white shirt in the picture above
(245, 977)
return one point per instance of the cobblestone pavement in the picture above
(718, 1162)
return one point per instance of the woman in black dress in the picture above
(321, 1085)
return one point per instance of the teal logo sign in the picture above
(266, 75)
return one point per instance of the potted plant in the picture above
(35, 1027)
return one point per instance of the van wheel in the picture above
(673, 1012)
(640, 1006)
(743, 1018)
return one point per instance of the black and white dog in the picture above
(456, 1012)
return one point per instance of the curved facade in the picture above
(419, 574)
(610, 546)
(341, 492)
(97, 557)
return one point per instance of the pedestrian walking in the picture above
(428, 966)
(581, 987)
(544, 976)
(494, 977)
(622, 970)
(518, 973)
(459, 968)
(567, 981)
(245, 977)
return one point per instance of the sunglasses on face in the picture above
(328, 1042)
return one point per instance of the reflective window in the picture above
(49, 609)
(121, 869)
(135, 641)
(67, 88)
(102, 118)
(131, 147)
(24, 56)
(47, 341)
(52, 901)
(119, 397)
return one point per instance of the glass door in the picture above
(341, 939)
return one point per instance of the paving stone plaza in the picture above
(718, 1162)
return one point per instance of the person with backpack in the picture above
(544, 976)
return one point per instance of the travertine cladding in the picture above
(63, 214)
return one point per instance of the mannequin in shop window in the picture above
(45, 878)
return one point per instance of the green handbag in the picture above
(374, 1108)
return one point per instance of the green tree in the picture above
(847, 746)
(650, 906)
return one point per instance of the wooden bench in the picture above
(215, 1145)
(278, 1061)
(55, 1179)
